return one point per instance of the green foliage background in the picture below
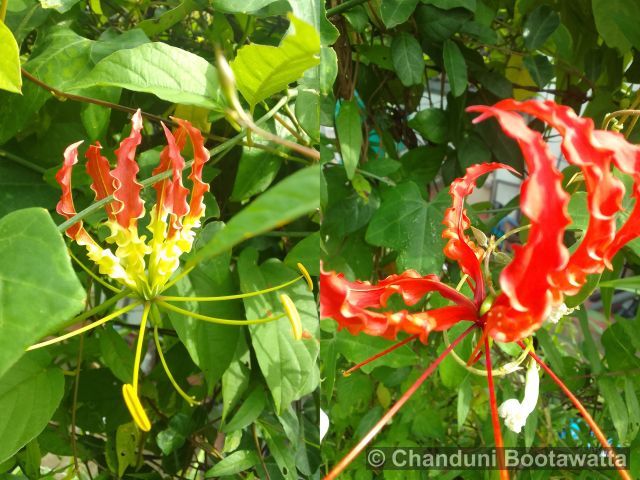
(395, 87)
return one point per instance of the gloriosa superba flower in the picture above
(144, 268)
(532, 286)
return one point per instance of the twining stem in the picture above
(222, 321)
(219, 149)
(380, 354)
(93, 275)
(138, 359)
(583, 411)
(86, 328)
(355, 451)
(497, 433)
(230, 297)
(190, 400)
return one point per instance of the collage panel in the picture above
(479, 308)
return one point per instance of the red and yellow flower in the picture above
(543, 271)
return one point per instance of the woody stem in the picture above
(504, 475)
(583, 411)
(355, 451)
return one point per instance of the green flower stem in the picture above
(190, 400)
(221, 321)
(219, 149)
(138, 359)
(93, 275)
(86, 328)
(230, 297)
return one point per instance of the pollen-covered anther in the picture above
(135, 408)
(306, 276)
(292, 314)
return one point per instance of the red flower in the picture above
(542, 271)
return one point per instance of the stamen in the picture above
(135, 408)
(222, 321)
(293, 315)
(380, 354)
(497, 433)
(583, 411)
(86, 328)
(306, 276)
(231, 297)
(355, 451)
(190, 400)
(138, 358)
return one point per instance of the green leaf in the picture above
(551, 352)
(109, 43)
(288, 365)
(349, 132)
(431, 124)
(248, 412)
(256, 170)
(539, 26)
(116, 354)
(455, 67)
(176, 434)
(395, 12)
(282, 453)
(263, 70)
(10, 76)
(235, 463)
(39, 291)
(616, 21)
(449, 4)
(29, 395)
(307, 112)
(170, 73)
(539, 68)
(306, 252)
(60, 6)
(465, 395)
(615, 405)
(293, 197)
(437, 24)
(359, 348)
(408, 61)
(233, 6)
(127, 437)
(629, 284)
(14, 180)
(412, 226)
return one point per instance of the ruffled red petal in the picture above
(527, 292)
(127, 189)
(171, 193)
(460, 247)
(65, 206)
(200, 157)
(351, 303)
(99, 170)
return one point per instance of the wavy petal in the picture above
(171, 193)
(65, 206)
(99, 170)
(127, 189)
(581, 147)
(200, 157)
(460, 247)
(527, 292)
(350, 304)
